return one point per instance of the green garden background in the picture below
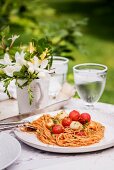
(82, 30)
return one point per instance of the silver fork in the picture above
(10, 125)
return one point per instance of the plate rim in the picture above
(18, 154)
(51, 148)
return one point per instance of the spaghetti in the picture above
(93, 132)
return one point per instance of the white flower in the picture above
(6, 60)
(38, 66)
(9, 70)
(42, 74)
(36, 62)
(33, 66)
(14, 37)
(17, 68)
(19, 57)
(44, 63)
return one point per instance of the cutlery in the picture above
(9, 127)
(13, 123)
(27, 125)
(48, 108)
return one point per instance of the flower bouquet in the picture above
(25, 65)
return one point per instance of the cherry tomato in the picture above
(66, 121)
(81, 133)
(74, 115)
(57, 129)
(84, 118)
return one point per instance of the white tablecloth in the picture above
(31, 158)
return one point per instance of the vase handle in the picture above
(38, 95)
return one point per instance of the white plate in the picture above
(108, 140)
(10, 150)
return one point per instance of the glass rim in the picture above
(105, 68)
(63, 59)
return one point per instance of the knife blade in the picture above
(51, 107)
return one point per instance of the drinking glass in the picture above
(90, 79)
(60, 66)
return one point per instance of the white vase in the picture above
(39, 89)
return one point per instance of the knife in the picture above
(51, 107)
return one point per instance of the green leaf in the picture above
(42, 44)
(30, 93)
(5, 31)
(27, 56)
(34, 42)
(17, 84)
(2, 66)
(6, 84)
(50, 61)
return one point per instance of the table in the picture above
(32, 159)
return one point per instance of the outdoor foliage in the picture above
(62, 33)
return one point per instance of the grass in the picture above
(97, 40)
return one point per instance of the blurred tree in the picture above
(36, 19)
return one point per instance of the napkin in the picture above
(67, 91)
